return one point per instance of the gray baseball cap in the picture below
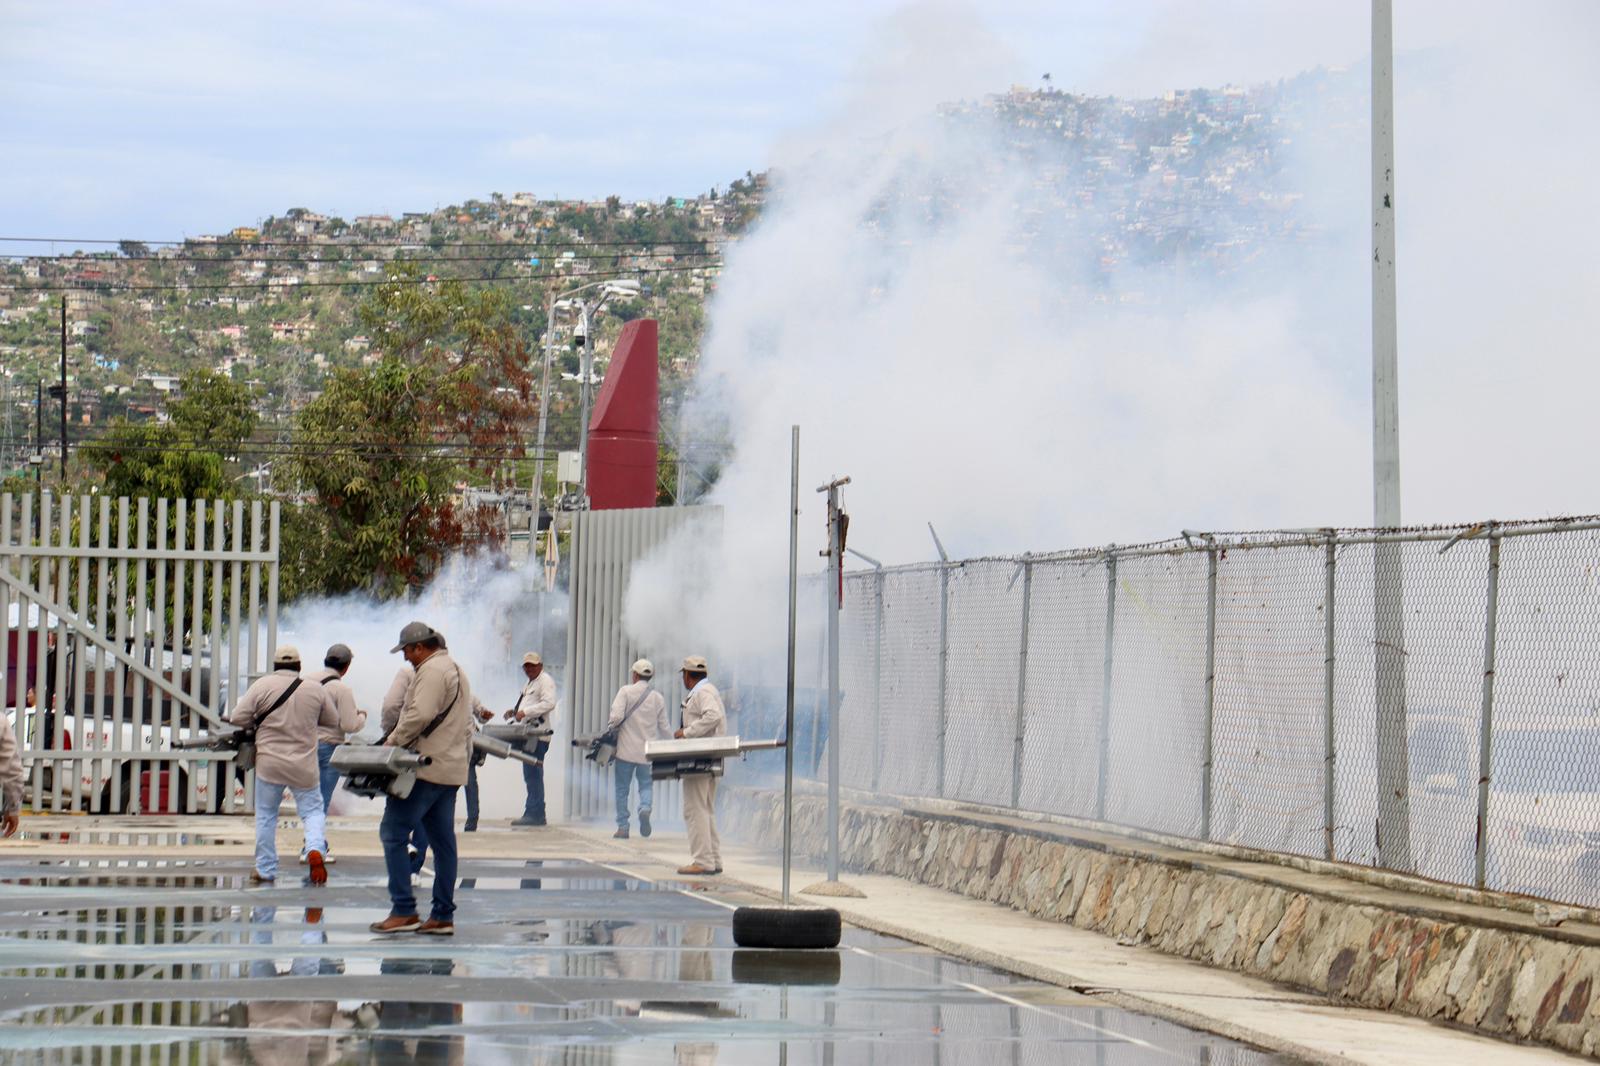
(339, 653)
(413, 633)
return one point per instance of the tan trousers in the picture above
(700, 814)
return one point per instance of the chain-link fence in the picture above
(1425, 700)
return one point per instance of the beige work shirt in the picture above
(351, 718)
(703, 713)
(538, 701)
(439, 684)
(394, 701)
(647, 722)
(11, 775)
(286, 743)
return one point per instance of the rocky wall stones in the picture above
(1515, 984)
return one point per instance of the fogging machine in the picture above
(241, 742)
(694, 756)
(374, 770)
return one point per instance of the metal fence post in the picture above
(1103, 777)
(1022, 683)
(944, 660)
(1209, 759)
(877, 681)
(1486, 724)
(1329, 765)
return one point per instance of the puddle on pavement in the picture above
(564, 958)
(122, 838)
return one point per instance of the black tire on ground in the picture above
(786, 927)
(763, 967)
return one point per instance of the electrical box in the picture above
(569, 468)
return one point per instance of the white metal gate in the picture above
(130, 623)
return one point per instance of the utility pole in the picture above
(63, 392)
(1389, 668)
(586, 367)
(838, 524)
(544, 422)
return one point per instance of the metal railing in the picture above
(1225, 687)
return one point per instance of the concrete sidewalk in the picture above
(1134, 978)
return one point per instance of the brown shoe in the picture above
(396, 923)
(434, 927)
(319, 869)
(620, 834)
(694, 869)
(257, 879)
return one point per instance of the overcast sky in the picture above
(178, 117)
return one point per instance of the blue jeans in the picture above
(533, 777)
(307, 804)
(432, 808)
(627, 773)
(330, 776)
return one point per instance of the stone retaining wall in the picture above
(1494, 972)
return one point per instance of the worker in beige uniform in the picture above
(436, 721)
(703, 716)
(352, 719)
(537, 704)
(285, 713)
(11, 775)
(639, 715)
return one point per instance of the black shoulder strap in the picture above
(283, 697)
(439, 720)
(330, 677)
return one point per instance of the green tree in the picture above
(186, 457)
(379, 454)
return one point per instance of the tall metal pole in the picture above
(1393, 829)
(63, 391)
(1385, 340)
(788, 706)
(835, 580)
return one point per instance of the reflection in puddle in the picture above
(559, 962)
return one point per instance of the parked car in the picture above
(1544, 799)
(146, 718)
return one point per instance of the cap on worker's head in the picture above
(695, 664)
(413, 633)
(286, 653)
(532, 659)
(644, 669)
(338, 655)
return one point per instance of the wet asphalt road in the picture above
(132, 960)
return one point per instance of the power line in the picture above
(357, 244)
(117, 286)
(236, 260)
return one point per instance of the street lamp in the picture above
(610, 287)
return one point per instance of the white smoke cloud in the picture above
(954, 374)
(489, 617)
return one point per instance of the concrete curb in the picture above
(1494, 972)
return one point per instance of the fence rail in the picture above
(1227, 687)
